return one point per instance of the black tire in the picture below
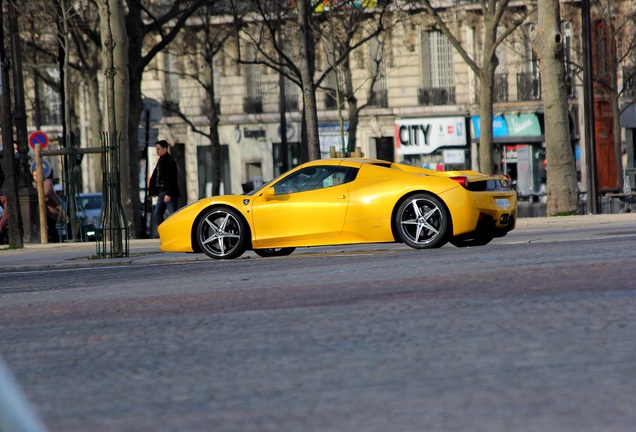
(472, 239)
(422, 221)
(274, 252)
(222, 233)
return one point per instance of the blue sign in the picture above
(46, 168)
(499, 126)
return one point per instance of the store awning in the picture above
(512, 128)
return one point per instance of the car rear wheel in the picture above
(222, 233)
(274, 252)
(422, 222)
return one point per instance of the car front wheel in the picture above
(422, 222)
(222, 233)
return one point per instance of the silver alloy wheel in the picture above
(221, 234)
(422, 222)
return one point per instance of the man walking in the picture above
(163, 182)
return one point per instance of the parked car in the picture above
(377, 202)
(91, 203)
(88, 215)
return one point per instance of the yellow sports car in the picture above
(347, 201)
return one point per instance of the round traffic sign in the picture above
(46, 168)
(38, 137)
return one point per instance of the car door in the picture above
(305, 206)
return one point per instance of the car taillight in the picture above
(462, 180)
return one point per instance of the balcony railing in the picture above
(436, 96)
(291, 103)
(629, 81)
(528, 87)
(205, 111)
(380, 98)
(500, 90)
(253, 105)
(330, 100)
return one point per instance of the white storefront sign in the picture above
(425, 135)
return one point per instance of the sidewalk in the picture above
(70, 255)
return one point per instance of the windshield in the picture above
(255, 191)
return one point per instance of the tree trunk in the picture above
(98, 125)
(213, 119)
(306, 62)
(18, 91)
(10, 164)
(562, 191)
(489, 63)
(128, 172)
(352, 105)
(486, 163)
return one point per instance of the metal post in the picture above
(588, 102)
(284, 166)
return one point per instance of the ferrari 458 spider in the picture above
(347, 201)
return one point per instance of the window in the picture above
(529, 82)
(254, 101)
(436, 69)
(289, 87)
(330, 98)
(377, 69)
(171, 81)
(291, 95)
(500, 87)
(315, 177)
(600, 51)
(216, 77)
(51, 111)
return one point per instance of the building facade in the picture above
(424, 108)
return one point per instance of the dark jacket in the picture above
(4, 219)
(164, 177)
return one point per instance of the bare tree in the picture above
(204, 39)
(10, 167)
(561, 182)
(341, 26)
(87, 63)
(150, 28)
(346, 28)
(495, 14)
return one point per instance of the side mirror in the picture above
(269, 193)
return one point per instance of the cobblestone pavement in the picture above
(518, 337)
(147, 251)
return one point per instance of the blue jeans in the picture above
(161, 207)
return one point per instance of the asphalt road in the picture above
(534, 332)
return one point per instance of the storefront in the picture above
(438, 143)
(519, 150)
